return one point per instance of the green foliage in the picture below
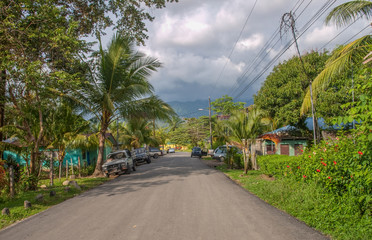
(284, 89)
(342, 167)
(16, 206)
(226, 106)
(272, 165)
(334, 215)
(27, 182)
(234, 158)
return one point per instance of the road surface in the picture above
(175, 197)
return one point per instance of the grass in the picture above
(16, 205)
(333, 215)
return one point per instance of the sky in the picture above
(217, 47)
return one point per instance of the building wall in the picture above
(291, 144)
(89, 158)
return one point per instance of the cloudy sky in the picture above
(208, 50)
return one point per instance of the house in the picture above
(283, 141)
(87, 156)
(289, 141)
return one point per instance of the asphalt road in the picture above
(175, 197)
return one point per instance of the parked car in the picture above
(154, 152)
(171, 150)
(141, 155)
(196, 151)
(220, 152)
(118, 162)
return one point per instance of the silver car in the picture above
(118, 162)
(220, 152)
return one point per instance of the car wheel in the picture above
(222, 159)
(191, 155)
(156, 156)
(148, 160)
(134, 166)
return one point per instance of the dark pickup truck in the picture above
(141, 155)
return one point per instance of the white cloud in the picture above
(320, 35)
(251, 43)
(193, 39)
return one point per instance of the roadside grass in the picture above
(16, 205)
(333, 215)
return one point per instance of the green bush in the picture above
(275, 165)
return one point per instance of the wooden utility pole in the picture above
(288, 22)
(210, 124)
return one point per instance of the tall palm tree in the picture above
(135, 133)
(350, 54)
(244, 129)
(117, 85)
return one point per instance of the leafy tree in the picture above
(38, 51)
(118, 88)
(283, 90)
(225, 105)
(343, 58)
(180, 136)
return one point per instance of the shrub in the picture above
(275, 164)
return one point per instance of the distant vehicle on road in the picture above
(220, 152)
(141, 155)
(171, 150)
(155, 152)
(196, 151)
(118, 162)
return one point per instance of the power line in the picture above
(242, 78)
(315, 17)
(356, 34)
(232, 50)
(340, 33)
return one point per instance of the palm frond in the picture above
(346, 13)
(336, 64)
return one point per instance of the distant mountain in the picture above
(191, 109)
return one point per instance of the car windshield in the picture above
(113, 156)
(196, 149)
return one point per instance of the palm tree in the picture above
(244, 129)
(117, 87)
(135, 133)
(352, 53)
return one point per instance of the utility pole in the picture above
(288, 22)
(210, 124)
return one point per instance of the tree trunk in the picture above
(254, 162)
(2, 104)
(98, 171)
(11, 181)
(245, 157)
(66, 169)
(61, 156)
(79, 167)
(72, 168)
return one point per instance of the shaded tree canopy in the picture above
(225, 105)
(284, 89)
